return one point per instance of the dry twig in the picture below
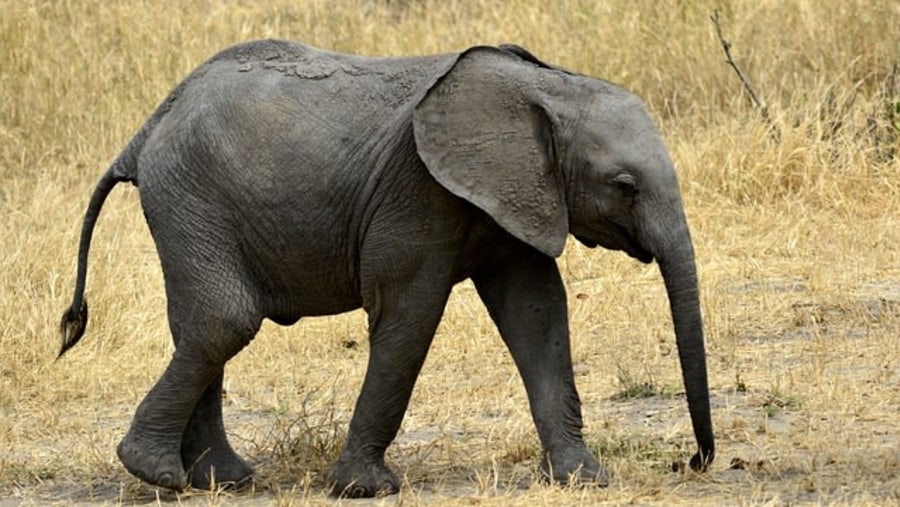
(726, 45)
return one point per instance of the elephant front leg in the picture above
(205, 452)
(526, 299)
(401, 328)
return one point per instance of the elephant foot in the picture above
(152, 462)
(354, 477)
(217, 467)
(574, 467)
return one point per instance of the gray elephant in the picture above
(281, 181)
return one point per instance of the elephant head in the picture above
(545, 153)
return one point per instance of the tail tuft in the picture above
(72, 327)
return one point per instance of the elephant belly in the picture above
(313, 296)
(301, 271)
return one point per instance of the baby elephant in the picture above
(281, 181)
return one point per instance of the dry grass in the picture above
(796, 223)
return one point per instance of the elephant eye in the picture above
(626, 184)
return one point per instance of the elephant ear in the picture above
(485, 134)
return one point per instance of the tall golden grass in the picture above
(795, 218)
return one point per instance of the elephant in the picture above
(280, 181)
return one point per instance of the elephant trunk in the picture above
(674, 254)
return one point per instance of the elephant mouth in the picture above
(640, 254)
(636, 251)
(623, 242)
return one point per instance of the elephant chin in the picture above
(633, 249)
(640, 254)
(586, 242)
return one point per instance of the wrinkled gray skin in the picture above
(280, 181)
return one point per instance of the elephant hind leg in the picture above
(208, 458)
(151, 450)
(179, 422)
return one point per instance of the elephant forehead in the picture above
(618, 134)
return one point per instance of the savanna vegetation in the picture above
(794, 203)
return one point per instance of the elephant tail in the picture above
(124, 168)
(74, 320)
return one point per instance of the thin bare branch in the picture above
(726, 45)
